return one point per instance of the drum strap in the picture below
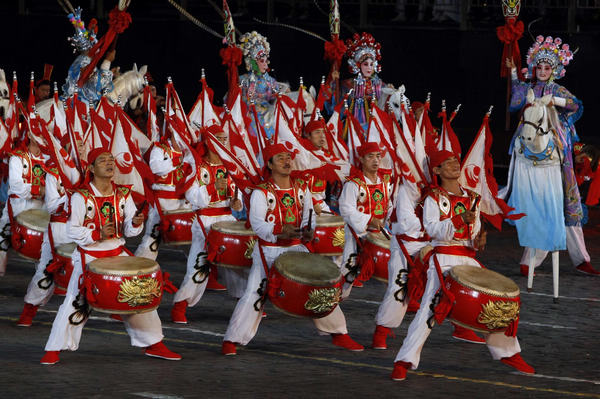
(262, 289)
(53, 266)
(444, 299)
(353, 271)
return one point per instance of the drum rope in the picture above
(202, 269)
(48, 279)
(82, 310)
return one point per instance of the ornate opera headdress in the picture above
(254, 45)
(360, 48)
(83, 39)
(549, 50)
(511, 8)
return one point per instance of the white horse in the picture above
(309, 99)
(535, 185)
(127, 85)
(394, 99)
(4, 94)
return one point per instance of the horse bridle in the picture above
(537, 127)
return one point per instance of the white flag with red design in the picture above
(477, 174)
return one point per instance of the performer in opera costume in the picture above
(102, 213)
(279, 214)
(547, 60)
(257, 84)
(26, 188)
(451, 218)
(211, 195)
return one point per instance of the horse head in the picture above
(536, 123)
(393, 98)
(128, 84)
(4, 92)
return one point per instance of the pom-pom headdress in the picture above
(360, 48)
(553, 51)
(254, 45)
(83, 39)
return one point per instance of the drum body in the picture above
(176, 226)
(304, 284)
(27, 232)
(63, 275)
(486, 301)
(231, 244)
(123, 284)
(329, 236)
(377, 247)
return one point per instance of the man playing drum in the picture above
(211, 195)
(42, 285)
(365, 206)
(279, 215)
(26, 188)
(451, 218)
(102, 213)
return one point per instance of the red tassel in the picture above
(367, 265)
(54, 266)
(442, 310)
(168, 284)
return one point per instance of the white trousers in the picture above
(36, 295)
(246, 318)
(575, 245)
(144, 329)
(391, 311)
(498, 344)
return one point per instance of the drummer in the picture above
(365, 206)
(26, 187)
(279, 215)
(451, 218)
(42, 285)
(212, 196)
(102, 213)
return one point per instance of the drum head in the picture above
(379, 240)
(485, 280)
(123, 265)
(330, 220)
(235, 227)
(66, 250)
(307, 268)
(178, 211)
(36, 219)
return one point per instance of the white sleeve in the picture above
(197, 195)
(441, 230)
(348, 200)
(128, 229)
(258, 213)
(408, 222)
(15, 178)
(52, 197)
(560, 101)
(308, 206)
(76, 231)
(160, 163)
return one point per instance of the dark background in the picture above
(459, 63)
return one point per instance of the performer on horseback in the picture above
(547, 60)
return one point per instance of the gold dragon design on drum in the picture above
(139, 291)
(323, 299)
(498, 314)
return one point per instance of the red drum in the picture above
(231, 244)
(329, 236)
(378, 247)
(123, 284)
(176, 226)
(486, 301)
(27, 232)
(304, 284)
(63, 275)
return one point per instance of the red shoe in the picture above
(380, 336)
(117, 317)
(586, 267)
(346, 342)
(413, 306)
(213, 284)
(525, 271)
(51, 357)
(161, 351)
(228, 348)
(264, 315)
(357, 284)
(464, 334)
(59, 291)
(517, 362)
(27, 315)
(400, 368)
(178, 312)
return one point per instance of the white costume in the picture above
(144, 329)
(442, 233)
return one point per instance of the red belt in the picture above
(221, 211)
(281, 242)
(166, 194)
(58, 218)
(104, 253)
(407, 238)
(457, 250)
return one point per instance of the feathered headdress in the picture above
(553, 51)
(254, 45)
(360, 48)
(83, 39)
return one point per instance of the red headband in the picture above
(314, 125)
(95, 153)
(273, 149)
(368, 148)
(438, 157)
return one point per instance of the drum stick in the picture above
(235, 194)
(309, 225)
(141, 209)
(385, 233)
